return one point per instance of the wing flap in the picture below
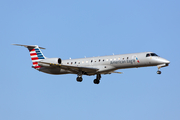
(72, 68)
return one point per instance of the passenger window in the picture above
(67, 62)
(110, 59)
(127, 58)
(82, 61)
(123, 58)
(99, 60)
(91, 60)
(74, 62)
(114, 58)
(106, 59)
(78, 62)
(71, 62)
(118, 58)
(86, 61)
(103, 60)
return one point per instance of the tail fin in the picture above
(35, 53)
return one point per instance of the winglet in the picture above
(28, 46)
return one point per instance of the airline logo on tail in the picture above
(35, 53)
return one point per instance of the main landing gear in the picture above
(97, 80)
(79, 78)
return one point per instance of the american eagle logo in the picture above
(137, 60)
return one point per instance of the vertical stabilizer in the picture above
(35, 53)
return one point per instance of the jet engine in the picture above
(49, 60)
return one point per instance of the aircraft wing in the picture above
(74, 69)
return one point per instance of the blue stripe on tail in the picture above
(39, 54)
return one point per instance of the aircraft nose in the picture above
(167, 62)
(164, 61)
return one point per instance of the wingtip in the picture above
(118, 72)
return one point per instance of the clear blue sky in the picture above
(89, 28)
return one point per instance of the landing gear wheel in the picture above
(79, 79)
(96, 81)
(158, 72)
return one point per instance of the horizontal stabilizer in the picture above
(28, 46)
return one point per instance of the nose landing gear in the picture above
(159, 72)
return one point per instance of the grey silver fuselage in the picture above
(108, 64)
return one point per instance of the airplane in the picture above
(93, 65)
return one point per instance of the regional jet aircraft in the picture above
(93, 65)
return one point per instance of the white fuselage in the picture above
(108, 64)
(94, 65)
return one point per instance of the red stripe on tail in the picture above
(37, 66)
(35, 63)
(33, 54)
(35, 58)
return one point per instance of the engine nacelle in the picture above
(50, 60)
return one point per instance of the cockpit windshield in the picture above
(154, 54)
(151, 54)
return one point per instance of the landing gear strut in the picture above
(159, 72)
(97, 80)
(79, 78)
